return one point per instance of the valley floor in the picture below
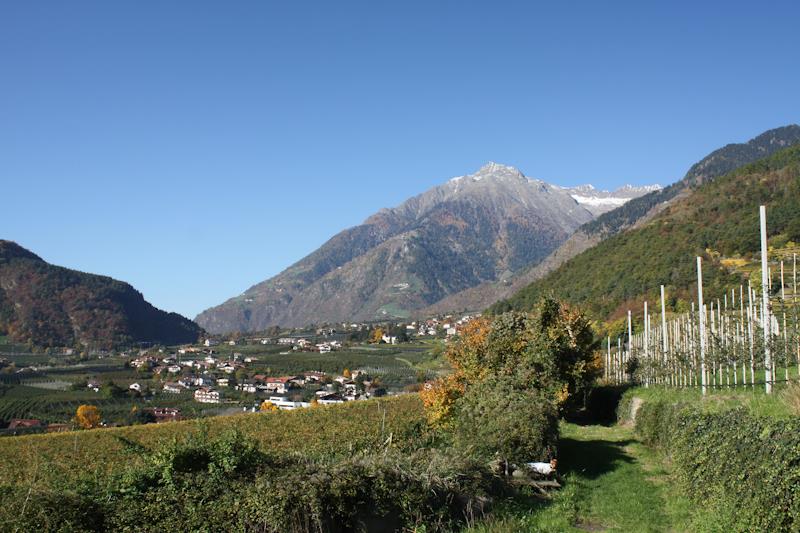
(612, 483)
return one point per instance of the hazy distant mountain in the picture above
(470, 230)
(49, 305)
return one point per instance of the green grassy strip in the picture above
(736, 455)
(613, 483)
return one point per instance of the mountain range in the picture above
(48, 305)
(635, 212)
(468, 231)
(492, 236)
(716, 218)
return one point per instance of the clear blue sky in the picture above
(195, 148)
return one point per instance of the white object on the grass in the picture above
(542, 468)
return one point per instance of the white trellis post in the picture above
(700, 309)
(766, 314)
(664, 333)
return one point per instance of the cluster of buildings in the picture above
(283, 391)
(304, 344)
(172, 364)
(448, 325)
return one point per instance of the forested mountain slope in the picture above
(48, 305)
(636, 211)
(716, 220)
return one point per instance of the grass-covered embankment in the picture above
(319, 432)
(735, 455)
(611, 483)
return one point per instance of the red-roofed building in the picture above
(23, 423)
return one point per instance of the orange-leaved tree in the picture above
(268, 406)
(465, 356)
(87, 417)
(438, 398)
(551, 350)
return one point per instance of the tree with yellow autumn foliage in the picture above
(87, 417)
(347, 374)
(377, 336)
(267, 407)
(438, 398)
(551, 350)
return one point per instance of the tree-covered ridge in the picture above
(47, 305)
(719, 218)
(715, 164)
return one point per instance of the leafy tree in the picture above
(346, 373)
(112, 390)
(87, 417)
(267, 406)
(439, 397)
(140, 416)
(501, 417)
(377, 336)
(551, 350)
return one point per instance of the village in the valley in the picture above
(225, 374)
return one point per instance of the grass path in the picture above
(613, 483)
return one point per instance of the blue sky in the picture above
(195, 148)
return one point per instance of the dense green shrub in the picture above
(499, 418)
(225, 484)
(747, 467)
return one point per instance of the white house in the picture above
(135, 386)
(286, 405)
(206, 395)
(246, 386)
(313, 376)
(228, 368)
(173, 388)
(328, 399)
(279, 385)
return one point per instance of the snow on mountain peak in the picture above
(496, 170)
(599, 202)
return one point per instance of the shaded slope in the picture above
(48, 305)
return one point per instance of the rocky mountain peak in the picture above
(493, 171)
(11, 250)
(498, 170)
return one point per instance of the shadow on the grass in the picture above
(601, 407)
(591, 458)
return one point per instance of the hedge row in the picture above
(227, 484)
(746, 467)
